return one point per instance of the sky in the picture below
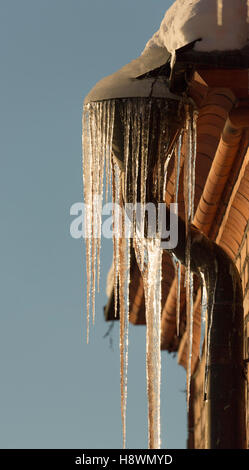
(56, 391)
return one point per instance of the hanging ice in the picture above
(178, 167)
(204, 299)
(139, 132)
(151, 272)
(124, 263)
(189, 196)
(98, 121)
(121, 286)
(212, 282)
(177, 265)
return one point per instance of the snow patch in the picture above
(188, 20)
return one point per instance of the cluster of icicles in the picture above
(129, 184)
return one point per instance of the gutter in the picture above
(226, 155)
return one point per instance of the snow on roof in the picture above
(184, 22)
(188, 20)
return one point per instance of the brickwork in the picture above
(242, 263)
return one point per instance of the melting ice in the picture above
(137, 176)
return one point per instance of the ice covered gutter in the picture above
(124, 83)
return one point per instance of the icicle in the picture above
(127, 129)
(136, 140)
(211, 300)
(176, 261)
(178, 167)
(98, 121)
(164, 155)
(117, 227)
(149, 258)
(220, 12)
(193, 158)
(152, 275)
(121, 256)
(136, 121)
(189, 299)
(149, 254)
(108, 131)
(101, 144)
(86, 145)
(124, 269)
(177, 265)
(189, 167)
(159, 194)
(188, 205)
(189, 194)
(135, 114)
(145, 130)
(166, 173)
(204, 298)
(153, 320)
(141, 127)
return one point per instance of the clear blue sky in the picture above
(56, 391)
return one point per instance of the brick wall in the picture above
(242, 263)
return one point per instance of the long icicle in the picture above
(96, 135)
(212, 283)
(101, 139)
(178, 167)
(87, 173)
(145, 131)
(121, 255)
(124, 248)
(94, 203)
(152, 276)
(189, 194)
(166, 165)
(204, 298)
(97, 147)
(187, 202)
(149, 258)
(148, 254)
(153, 320)
(177, 265)
(116, 218)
